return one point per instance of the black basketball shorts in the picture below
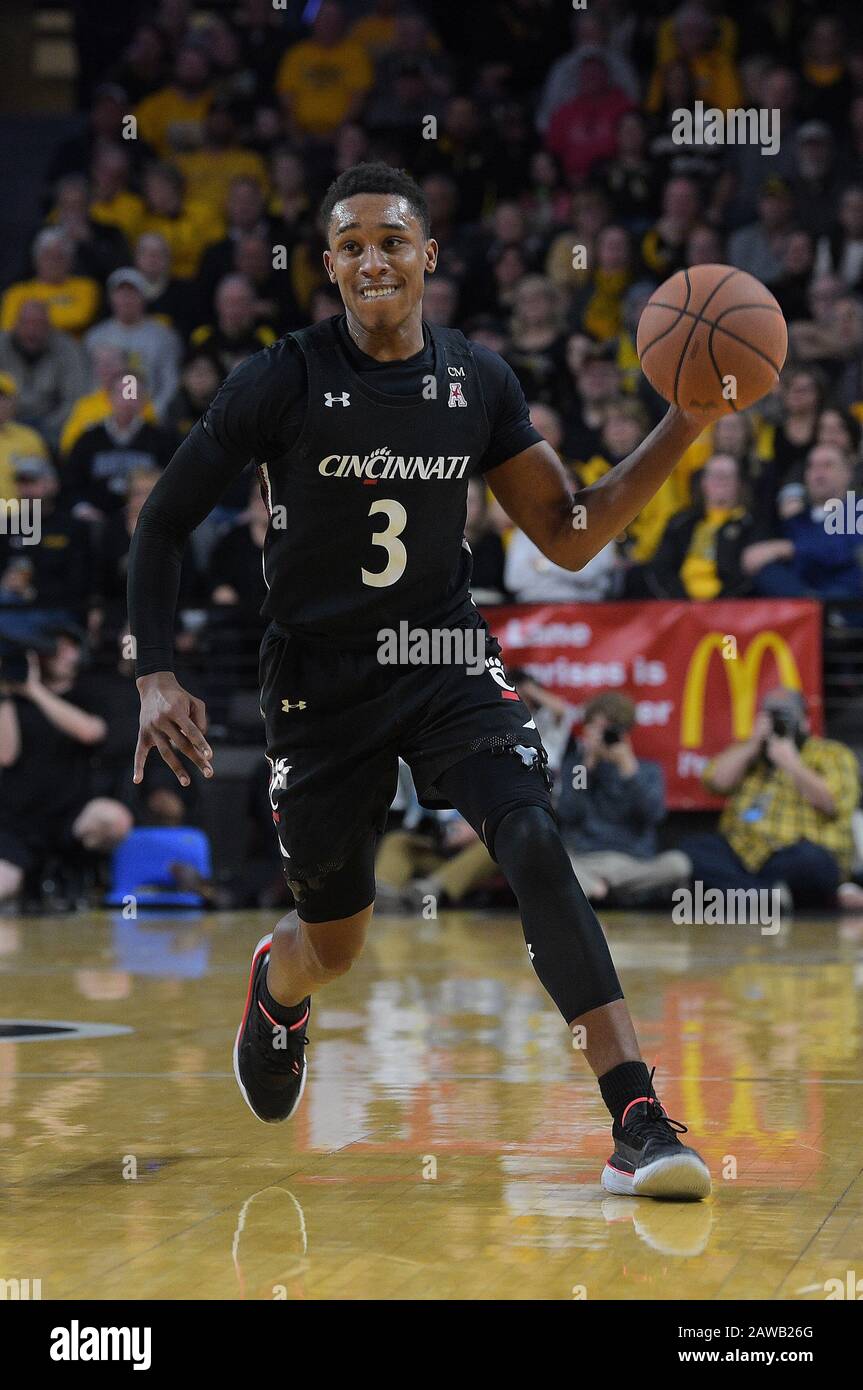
(338, 720)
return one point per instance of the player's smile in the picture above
(378, 256)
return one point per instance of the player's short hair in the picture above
(375, 177)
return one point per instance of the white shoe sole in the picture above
(682, 1177)
(263, 941)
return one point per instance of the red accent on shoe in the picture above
(265, 947)
(638, 1101)
(510, 694)
(291, 1027)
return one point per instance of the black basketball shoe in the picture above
(649, 1159)
(269, 1057)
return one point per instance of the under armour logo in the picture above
(456, 394)
(287, 706)
(529, 950)
(343, 399)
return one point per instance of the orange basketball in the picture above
(711, 337)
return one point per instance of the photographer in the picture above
(788, 819)
(610, 805)
(46, 743)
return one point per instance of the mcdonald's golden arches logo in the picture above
(743, 673)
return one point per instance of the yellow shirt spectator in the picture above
(188, 235)
(170, 121)
(698, 573)
(72, 303)
(323, 81)
(17, 442)
(124, 210)
(208, 174)
(776, 815)
(91, 410)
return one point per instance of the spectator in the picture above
(792, 284)
(17, 441)
(841, 251)
(71, 300)
(598, 306)
(111, 200)
(594, 382)
(246, 215)
(235, 335)
(48, 368)
(610, 805)
(816, 184)
(442, 858)
(96, 475)
(152, 350)
(591, 211)
(783, 448)
(200, 379)
(787, 819)
(628, 176)
(532, 578)
(323, 80)
(584, 130)
(169, 300)
(104, 129)
(695, 38)
(172, 119)
(112, 558)
(487, 555)
(54, 577)
(536, 350)
(464, 153)
(46, 743)
(235, 578)
(808, 559)
(187, 226)
(760, 247)
(110, 364)
(664, 244)
(143, 66)
(841, 430)
(210, 170)
(700, 554)
(624, 425)
(565, 78)
(98, 247)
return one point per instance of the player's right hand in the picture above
(173, 721)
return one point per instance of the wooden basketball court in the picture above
(450, 1142)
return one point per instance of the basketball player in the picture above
(366, 429)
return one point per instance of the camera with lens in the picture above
(611, 734)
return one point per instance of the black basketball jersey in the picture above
(368, 505)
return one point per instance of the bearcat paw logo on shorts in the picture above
(494, 666)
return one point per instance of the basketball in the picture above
(712, 335)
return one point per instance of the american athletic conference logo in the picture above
(382, 463)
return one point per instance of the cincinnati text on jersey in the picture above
(383, 464)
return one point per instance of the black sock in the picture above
(623, 1084)
(286, 1014)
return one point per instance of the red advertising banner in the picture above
(696, 671)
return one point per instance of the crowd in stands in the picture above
(177, 236)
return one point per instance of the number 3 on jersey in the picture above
(397, 556)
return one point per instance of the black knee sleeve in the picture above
(342, 891)
(565, 941)
(488, 785)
